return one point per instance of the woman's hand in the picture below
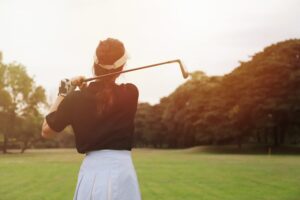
(79, 81)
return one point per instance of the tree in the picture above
(19, 104)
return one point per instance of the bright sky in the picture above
(56, 39)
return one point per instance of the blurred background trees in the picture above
(22, 109)
(20, 103)
(258, 102)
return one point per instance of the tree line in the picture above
(258, 102)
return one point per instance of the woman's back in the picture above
(111, 130)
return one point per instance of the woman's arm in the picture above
(47, 132)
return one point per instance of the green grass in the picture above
(163, 174)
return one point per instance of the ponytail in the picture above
(105, 91)
(107, 53)
(104, 98)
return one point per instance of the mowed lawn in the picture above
(163, 174)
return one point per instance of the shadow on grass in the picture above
(246, 149)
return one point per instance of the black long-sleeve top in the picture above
(113, 131)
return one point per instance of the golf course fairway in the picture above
(163, 175)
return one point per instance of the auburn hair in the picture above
(107, 52)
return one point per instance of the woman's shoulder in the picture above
(130, 88)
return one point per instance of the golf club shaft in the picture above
(130, 70)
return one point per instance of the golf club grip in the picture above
(130, 70)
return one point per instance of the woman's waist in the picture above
(106, 159)
(109, 153)
(107, 156)
(103, 141)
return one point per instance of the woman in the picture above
(102, 117)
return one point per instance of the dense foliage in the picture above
(258, 102)
(20, 101)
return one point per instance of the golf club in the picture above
(184, 72)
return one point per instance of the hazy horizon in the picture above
(56, 39)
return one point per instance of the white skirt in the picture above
(107, 175)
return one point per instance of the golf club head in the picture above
(184, 71)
